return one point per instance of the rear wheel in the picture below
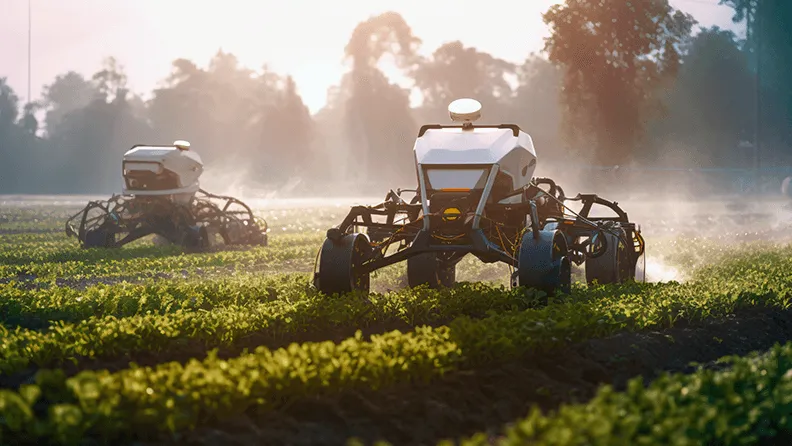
(428, 269)
(260, 239)
(98, 238)
(160, 240)
(340, 260)
(614, 265)
(543, 263)
(232, 232)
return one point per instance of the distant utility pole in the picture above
(757, 44)
(30, 27)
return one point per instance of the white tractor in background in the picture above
(477, 195)
(162, 196)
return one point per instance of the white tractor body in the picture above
(460, 158)
(469, 158)
(162, 170)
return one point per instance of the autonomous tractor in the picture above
(476, 195)
(162, 196)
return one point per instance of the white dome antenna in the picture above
(181, 144)
(465, 110)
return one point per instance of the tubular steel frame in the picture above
(416, 230)
(135, 217)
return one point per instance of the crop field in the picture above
(151, 345)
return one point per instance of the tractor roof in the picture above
(473, 145)
(155, 153)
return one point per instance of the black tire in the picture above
(196, 238)
(339, 262)
(232, 232)
(160, 240)
(98, 238)
(614, 265)
(263, 240)
(543, 263)
(257, 237)
(427, 269)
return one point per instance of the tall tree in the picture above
(28, 120)
(614, 53)
(331, 146)
(455, 71)
(111, 80)
(710, 106)
(23, 158)
(9, 103)
(182, 108)
(248, 126)
(770, 43)
(536, 106)
(378, 115)
(68, 92)
(212, 107)
(91, 140)
(286, 129)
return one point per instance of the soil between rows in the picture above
(465, 402)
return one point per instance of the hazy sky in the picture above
(304, 38)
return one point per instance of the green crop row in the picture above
(39, 308)
(747, 403)
(157, 317)
(25, 248)
(27, 240)
(296, 311)
(217, 313)
(120, 262)
(173, 396)
(64, 250)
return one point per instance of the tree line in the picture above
(618, 83)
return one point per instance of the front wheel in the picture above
(543, 263)
(99, 238)
(427, 269)
(340, 260)
(614, 265)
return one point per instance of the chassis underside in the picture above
(534, 235)
(123, 219)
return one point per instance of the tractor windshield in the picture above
(455, 178)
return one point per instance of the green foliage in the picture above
(713, 104)
(466, 72)
(611, 60)
(767, 23)
(745, 404)
(63, 321)
(172, 396)
(162, 318)
(47, 261)
(614, 54)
